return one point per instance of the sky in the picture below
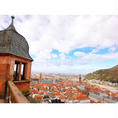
(76, 44)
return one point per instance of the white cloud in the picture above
(79, 53)
(64, 34)
(63, 68)
(62, 56)
(112, 49)
(99, 57)
(54, 55)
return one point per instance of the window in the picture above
(16, 66)
(16, 71)
(23, 71)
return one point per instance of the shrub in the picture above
(26, 92)
(33, 100)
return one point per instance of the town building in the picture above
(34, 81)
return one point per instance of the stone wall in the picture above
(22, 84)
(7, 69)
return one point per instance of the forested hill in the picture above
(110, 74)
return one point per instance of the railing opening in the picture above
(23, 71)
(16, 67)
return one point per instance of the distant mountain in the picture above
(110, 74)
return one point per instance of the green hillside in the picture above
(110, 74)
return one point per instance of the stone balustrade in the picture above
(14, 95)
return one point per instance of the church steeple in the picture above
(11, 26)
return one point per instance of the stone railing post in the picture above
(19, 71)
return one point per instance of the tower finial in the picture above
(12, 17)
(11, 26)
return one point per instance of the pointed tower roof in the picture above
(11, 26)
(11, 42)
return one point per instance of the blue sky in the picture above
(68, 43)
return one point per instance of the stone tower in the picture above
(15, 61)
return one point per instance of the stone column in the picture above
(19, 71)
(25, 71)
